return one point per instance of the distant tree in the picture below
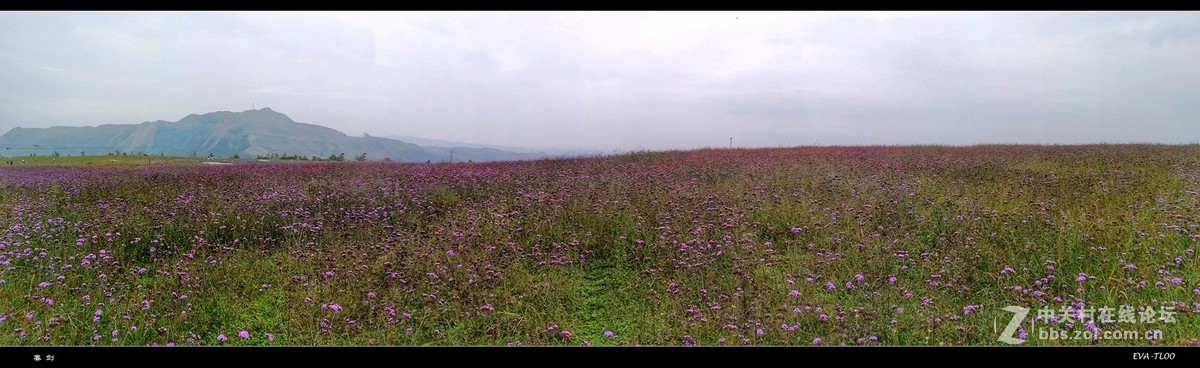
(81, 153)
(387, 159)
(193, 153)
(55, 154)
(362, 157)
(235, 156)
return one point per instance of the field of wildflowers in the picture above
(919, 245)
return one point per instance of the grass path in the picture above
(597, 314)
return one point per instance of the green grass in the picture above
(662, 248)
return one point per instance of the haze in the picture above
(622, 80)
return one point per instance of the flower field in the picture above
(918, 245)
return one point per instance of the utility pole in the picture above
(451, 155)
(731, 142)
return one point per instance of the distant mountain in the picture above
(223, 133)
(427, 142)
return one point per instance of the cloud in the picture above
(622, 80)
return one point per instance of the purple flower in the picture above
(270, 337)
(859, 277)
(371, 295)
(830, 286)
(892, 280)
(220, 337)
(244, 334)
(608, 334)
(794, 293)
(1176, 281)
(759, 332)
(335, 307)
(565, 334)
(817, 341)
(170, 344)
(44, 284)
(1082, 277)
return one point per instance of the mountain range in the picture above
(248, 134)
(429, 142)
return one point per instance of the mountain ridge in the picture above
(247, 133)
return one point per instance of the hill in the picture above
(224, 133)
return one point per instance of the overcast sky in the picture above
(623, 80)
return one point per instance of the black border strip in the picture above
(497, 356)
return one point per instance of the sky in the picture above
(623, 80)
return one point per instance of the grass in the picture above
(851, 245)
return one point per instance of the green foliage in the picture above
(660, 248)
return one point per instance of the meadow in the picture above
(918, 245)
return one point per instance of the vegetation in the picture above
(791, 246)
